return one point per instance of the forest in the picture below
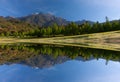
(17, 28)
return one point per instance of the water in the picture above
(52, 63)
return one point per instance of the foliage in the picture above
(17, 28)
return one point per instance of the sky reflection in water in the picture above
(70, 71)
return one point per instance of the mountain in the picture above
(39, 19)
(43, 19)
(27, 25)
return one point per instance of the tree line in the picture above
(20, 29)
(75, 29)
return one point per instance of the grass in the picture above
(105, 40)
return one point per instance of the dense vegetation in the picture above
(18, 28)
(74, 29)
(15, 27)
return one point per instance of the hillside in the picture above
(46, 19)
(47, 25)
(42, 19)
(11, 26)
(33, 25)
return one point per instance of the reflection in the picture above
(38, 55)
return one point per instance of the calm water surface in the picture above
(46, 63)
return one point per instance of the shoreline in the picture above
(105, 40)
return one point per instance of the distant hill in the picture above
(83, 21)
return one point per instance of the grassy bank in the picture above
(105, 40)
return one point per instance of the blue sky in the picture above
(69, 9)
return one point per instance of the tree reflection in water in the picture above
(38, 55)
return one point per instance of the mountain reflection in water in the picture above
(44, 56)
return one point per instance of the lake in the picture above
(53, 63)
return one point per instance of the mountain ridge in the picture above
(45, 19)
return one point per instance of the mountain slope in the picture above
(40, 19)
(10, 25)
(43, 19)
